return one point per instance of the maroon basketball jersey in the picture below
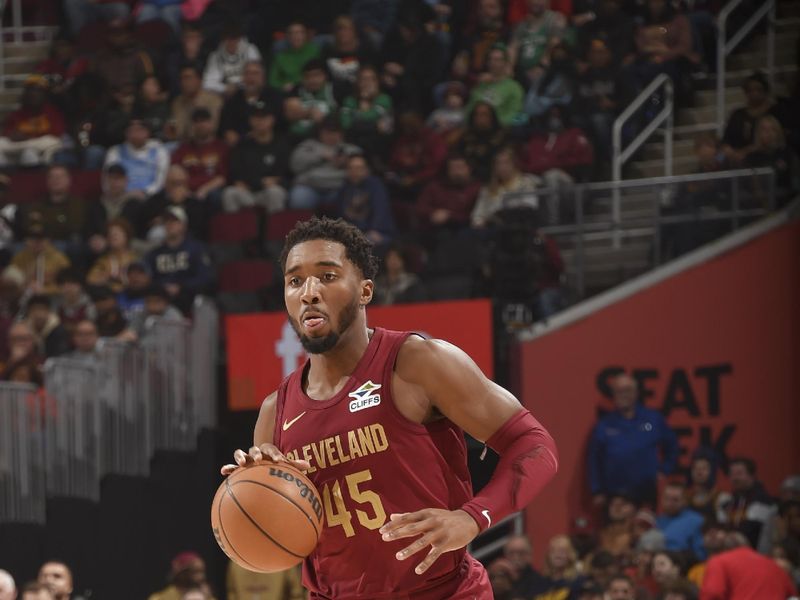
(368, 461)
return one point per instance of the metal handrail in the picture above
(724, 48)
(481, 551)
(620, 156)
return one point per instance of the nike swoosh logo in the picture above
(485, 513)
(287, 424)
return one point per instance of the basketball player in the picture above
(375, 418)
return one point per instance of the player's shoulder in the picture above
(420, 357)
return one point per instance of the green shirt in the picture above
(505, 96)
(381, 108)
(287, 66)
(532, 40)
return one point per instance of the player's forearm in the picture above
(528, 461)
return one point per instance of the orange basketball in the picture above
(267, 517)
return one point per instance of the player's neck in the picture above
(329, 369)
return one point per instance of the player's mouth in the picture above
(313, 320)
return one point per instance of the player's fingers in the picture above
(272, 453)
(228, 469)
(397, 520)
(303, 465)
(398, 530)
(241, 457)
(434, 554)
(255, 454)
(413, 548)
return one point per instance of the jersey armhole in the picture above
(280, 402)
(388, 376)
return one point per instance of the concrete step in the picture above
(21, 66)
(655, 168)
(784, 57)
(34, 51)
(693, 116)
(788, 9)
(680, 148)
(734, 96)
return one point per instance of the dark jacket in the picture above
(187, 265)
(251, 161)
(366, 205)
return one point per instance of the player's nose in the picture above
(310, 292)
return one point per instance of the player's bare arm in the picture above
(434, 378)
(263, 448)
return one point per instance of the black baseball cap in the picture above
(201, 113)
(260, 109)
(116, 169)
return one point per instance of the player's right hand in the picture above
(262, 453)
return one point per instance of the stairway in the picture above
(19, 58)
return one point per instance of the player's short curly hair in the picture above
(358, 248)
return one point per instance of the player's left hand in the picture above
(441, 530)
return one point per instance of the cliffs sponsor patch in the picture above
(365, 397)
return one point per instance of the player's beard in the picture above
(319, 345)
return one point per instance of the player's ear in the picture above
(367, 289)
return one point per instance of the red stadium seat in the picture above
(245, 276)
(241, 226)
(279, 224)
(29, 186)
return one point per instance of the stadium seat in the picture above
(241, 226)
(29, 186)
(454, 256)
(279, 224)
(154, 35)
(454, 287)
(245, 276)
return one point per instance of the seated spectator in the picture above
(488, 30)
(32, 133)
(310, 101)
(8, 588)
(741, 572)
(621, 588)
(363, 201)
(73, 303)
(561, 155)
(715, 540)
(37, 591)
(481, 140)
(749, 508)
(286, 70)
(110, 269)
(448, 119)
(501, 577)
(506, 180)
(560, 568)
(525, 580)
(416, 156)
(151, 105)
(61, 214)
(447, 202)
(111, 323)
(131, 299)
(82, 12)
(51, 336)
(541, 29)
(191, 97)
(12, 288)
(395, 285)
(784, 523)
(497, 88)
(234, 122)
(770, 150)
(225, 66)
(61, 68)
(116, 202)
(345, 55)
(144, 159)
(204, 158)
(109, 127)
(187, 571)
(24, 364)
(168, 11)
(191, 52)
(668, 569)
(176, 193)
(84, 342)
(180, 264)
(156, 304)
(39, 261)
(258, 166)
(680, 590)
(617, 536)
(553, 85)
(615, 27)
(319, 166)
(85, 103)
(681, 525)
(641, 571)
(740, 131)
(367, 115)
(121, 62)
(602, 569)
(703, 494)
(241, 583)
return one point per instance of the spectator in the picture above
(151, 106)
(225, 67)
(784, 522)
(416, 156)
(121, 63)
(111, 122)
(191, 52)
(615, 27)
(84, 342)
(501, 577)
(204, 158)
(345, 55)
(488, 31)
(603, 568)
(640, 571)
(131, 299)
(560, 568)
(742, 574)
(319, 166)
(52, 337)
(525, 579)
(750, 507)
(111, 267)
(681, 525)
(180, 264)
(145, 160)
(32, 133)
(61, 68)
(24, 363)
(156, 305)
(58, 578)
(243, 584)
(310, 101)
(12, 289)
(176, 193)
(8, 588)
(234, 122)
(367, 115)
(561, 155)
(111, 323)
(287, 64)
(37, 591)
(168, 11)
(621, 588)
(507, 180)
(374, 18)
(668, 567)
(702, 493)
(770, 150)
(497, 88)
(624, 448)
(192, 97)
(680, 590)
(364, 202)
(447, 202)
(617, 536)
(541, 29)
(395, 285)
(258, 166)
(81, 12)
(715, 540)
(39, 261)
(196, 593)
(61, 214)
(551, 86)
(481, 140)
(448, 119)
(188, 571)
(116, 202)
(74, 304)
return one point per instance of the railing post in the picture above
(616, 177)
(721, 35)
(17, 19)
(668, 132)
(771, 45)
(657, 228)
(735, 203)
(580, 282)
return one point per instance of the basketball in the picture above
(267, 517)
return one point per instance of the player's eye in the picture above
(329, 276)
(294, 281)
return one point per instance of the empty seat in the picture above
(241, 226)
(245, 276)
(281, 223)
